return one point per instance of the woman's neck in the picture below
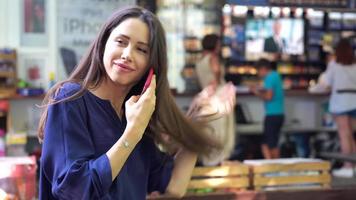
(115, 94)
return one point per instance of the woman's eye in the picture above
(120, 42)
(142, 50)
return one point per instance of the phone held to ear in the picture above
(148, 80)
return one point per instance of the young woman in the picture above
(340, 76)
(210, 74)
(100, 134)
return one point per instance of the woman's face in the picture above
(127, 52)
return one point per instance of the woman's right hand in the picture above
(139, 109)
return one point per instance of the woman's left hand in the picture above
(139, 109)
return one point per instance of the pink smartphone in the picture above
(148, 80)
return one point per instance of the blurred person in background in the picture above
(210, 73)
(340, 77)
(273, 96)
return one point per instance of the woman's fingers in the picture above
(133, 99)
(151, 90)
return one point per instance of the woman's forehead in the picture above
(133, 28)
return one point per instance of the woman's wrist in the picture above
(132, 134)
(183, 152)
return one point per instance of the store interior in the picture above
(42, 41)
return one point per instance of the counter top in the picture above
(243, 92)
(256, 129)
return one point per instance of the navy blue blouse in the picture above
(74, 165)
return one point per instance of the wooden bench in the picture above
(286, 174)
(230, 176)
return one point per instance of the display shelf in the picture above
(322, 30)
(8, 60)
(294, 76)
(21, 97)
(314, 3)
(194, 19)
(7, 74)
(235, 29)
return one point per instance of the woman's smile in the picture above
(123, 67)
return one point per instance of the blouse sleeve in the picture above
(68, 159)
(160, 171)
(327, 77)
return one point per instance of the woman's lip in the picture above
(124, 67)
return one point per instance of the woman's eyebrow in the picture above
(127, 37)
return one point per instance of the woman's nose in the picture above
(127, 54)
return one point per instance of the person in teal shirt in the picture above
(273, 96)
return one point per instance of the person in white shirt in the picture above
(340, 76)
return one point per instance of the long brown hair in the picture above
(344, 52)
(167, 118)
